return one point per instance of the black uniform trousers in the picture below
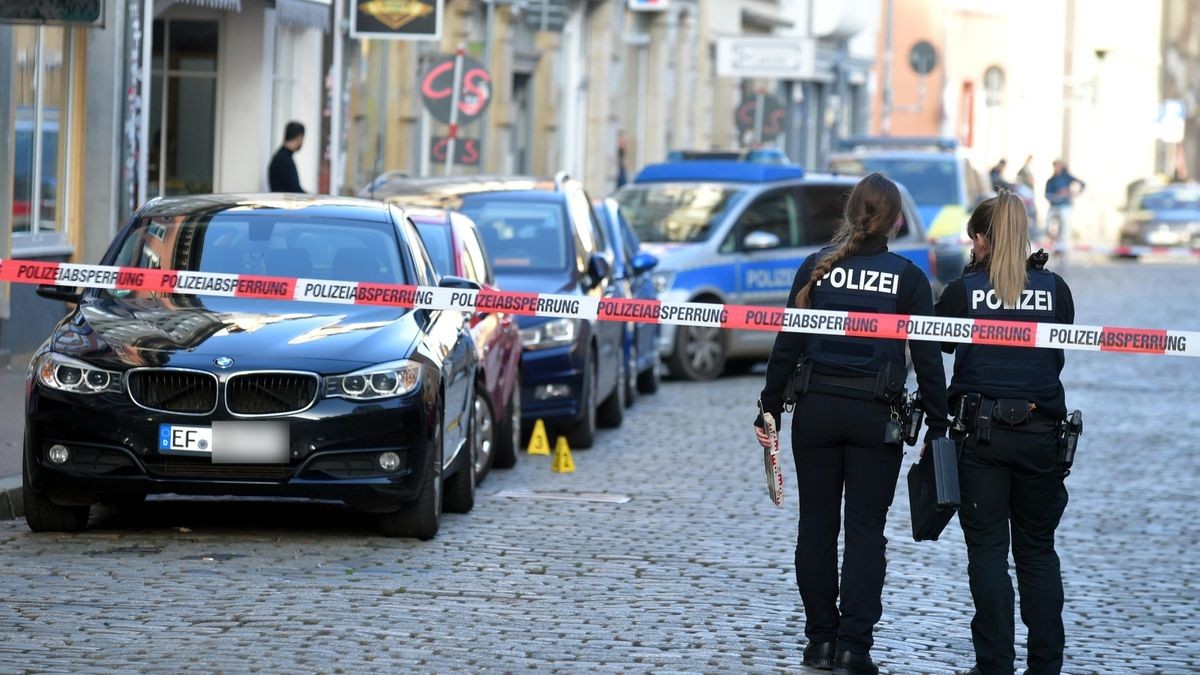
(1014, 483)
(838, 444)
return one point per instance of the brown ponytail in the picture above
(1002, 220)
(871, 210)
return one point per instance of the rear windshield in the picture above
(930, 181)
(438, 245)
(237, 243)
(679, 213)
(521, 236)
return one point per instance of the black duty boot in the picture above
(849, 663)
(819, 655)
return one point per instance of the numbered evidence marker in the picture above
(562, 457)
(539, 442)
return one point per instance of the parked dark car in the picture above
(1164, 216)
(136, 393)
(542, 236)
(454, 246)
(632, 269)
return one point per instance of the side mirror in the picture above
(642, 263)
(458, 283)
(758, 240)
(597, 269)
(64, 293)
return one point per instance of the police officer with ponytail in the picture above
(845, 427)
(1010, 408)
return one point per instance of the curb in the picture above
(11, 506)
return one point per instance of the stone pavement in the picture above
(692, 574)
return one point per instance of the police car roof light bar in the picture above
(718, 172)
(898, 142)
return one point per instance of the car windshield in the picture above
(675, 213)
(930, 181)
(267, 245)
(438, 245)
(1171, 200)
(521, 236)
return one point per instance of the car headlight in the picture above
(554, 333)
(662, 280)
(67, 374)
(385, 380)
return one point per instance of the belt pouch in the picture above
(1012, 411)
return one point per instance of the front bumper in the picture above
(552, 368)
(333, 451)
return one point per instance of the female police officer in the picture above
(843, 426)
(1009, 472)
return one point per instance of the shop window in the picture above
(40, 92)
(183, 104)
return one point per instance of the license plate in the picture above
(228, 442)
(176, 439)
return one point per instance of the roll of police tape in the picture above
(744, 317)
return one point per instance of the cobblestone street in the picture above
(693, 573)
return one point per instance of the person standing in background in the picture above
(281, 174)
(1025, 174)
(1060, 190)
(622, 177)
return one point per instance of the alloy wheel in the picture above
(483, 435)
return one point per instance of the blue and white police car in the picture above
(736, 232)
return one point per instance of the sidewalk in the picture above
(12, 429)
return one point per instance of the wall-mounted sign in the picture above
(466, 150)
(90, 12)
(773, 116)
(396, 19)
(792, 58)
(649, 5)
(475, 89)
(923, 57)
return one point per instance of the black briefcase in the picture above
(933, 495)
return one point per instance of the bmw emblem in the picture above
(223, 361)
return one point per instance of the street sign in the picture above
(923, 57)
(466, 150)
(773, 115)
(792, 58)
(396, 19)
(88, 12)
(475, 87)
(649, 5)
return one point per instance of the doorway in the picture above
(183, 107)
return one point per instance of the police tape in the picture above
(1185, 252)
(743, 317)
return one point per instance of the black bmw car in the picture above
(138, 393)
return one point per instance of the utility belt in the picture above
(976, 415)
(886, 386)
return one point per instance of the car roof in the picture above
(304, 206)
(810, 178)
(718, 171)
(896, 154)
(449, 191)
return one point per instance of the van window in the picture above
(776, 212)
(823, 209)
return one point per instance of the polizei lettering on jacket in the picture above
(862, 280)
(1031, 300)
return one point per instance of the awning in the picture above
(304, 13)
(231, 5)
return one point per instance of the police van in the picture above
(736, 232)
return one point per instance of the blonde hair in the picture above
(871, 210)
(1002, 220)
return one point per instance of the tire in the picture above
(484, 432)
(612, 411)
(583, 434)
(420, 518)
(630, 381)
(460, 489)
(647, 380)
(508, 433)
(43, 515)
(699, 353)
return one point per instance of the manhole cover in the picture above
(588, 497)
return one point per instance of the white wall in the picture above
(244, 108)
(306, 106)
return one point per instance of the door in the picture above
(183, 107)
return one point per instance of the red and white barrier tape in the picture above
(746, 317)
(1185, 252)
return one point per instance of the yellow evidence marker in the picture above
(562, 457)
(539, 442)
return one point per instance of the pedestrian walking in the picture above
(996, 175)
(844, 431)
(281, 174)
(1025, 174)
(622, 176)
(1011, 473)
(1060, 190)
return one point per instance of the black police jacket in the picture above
(874, 281)
(1009, 372)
